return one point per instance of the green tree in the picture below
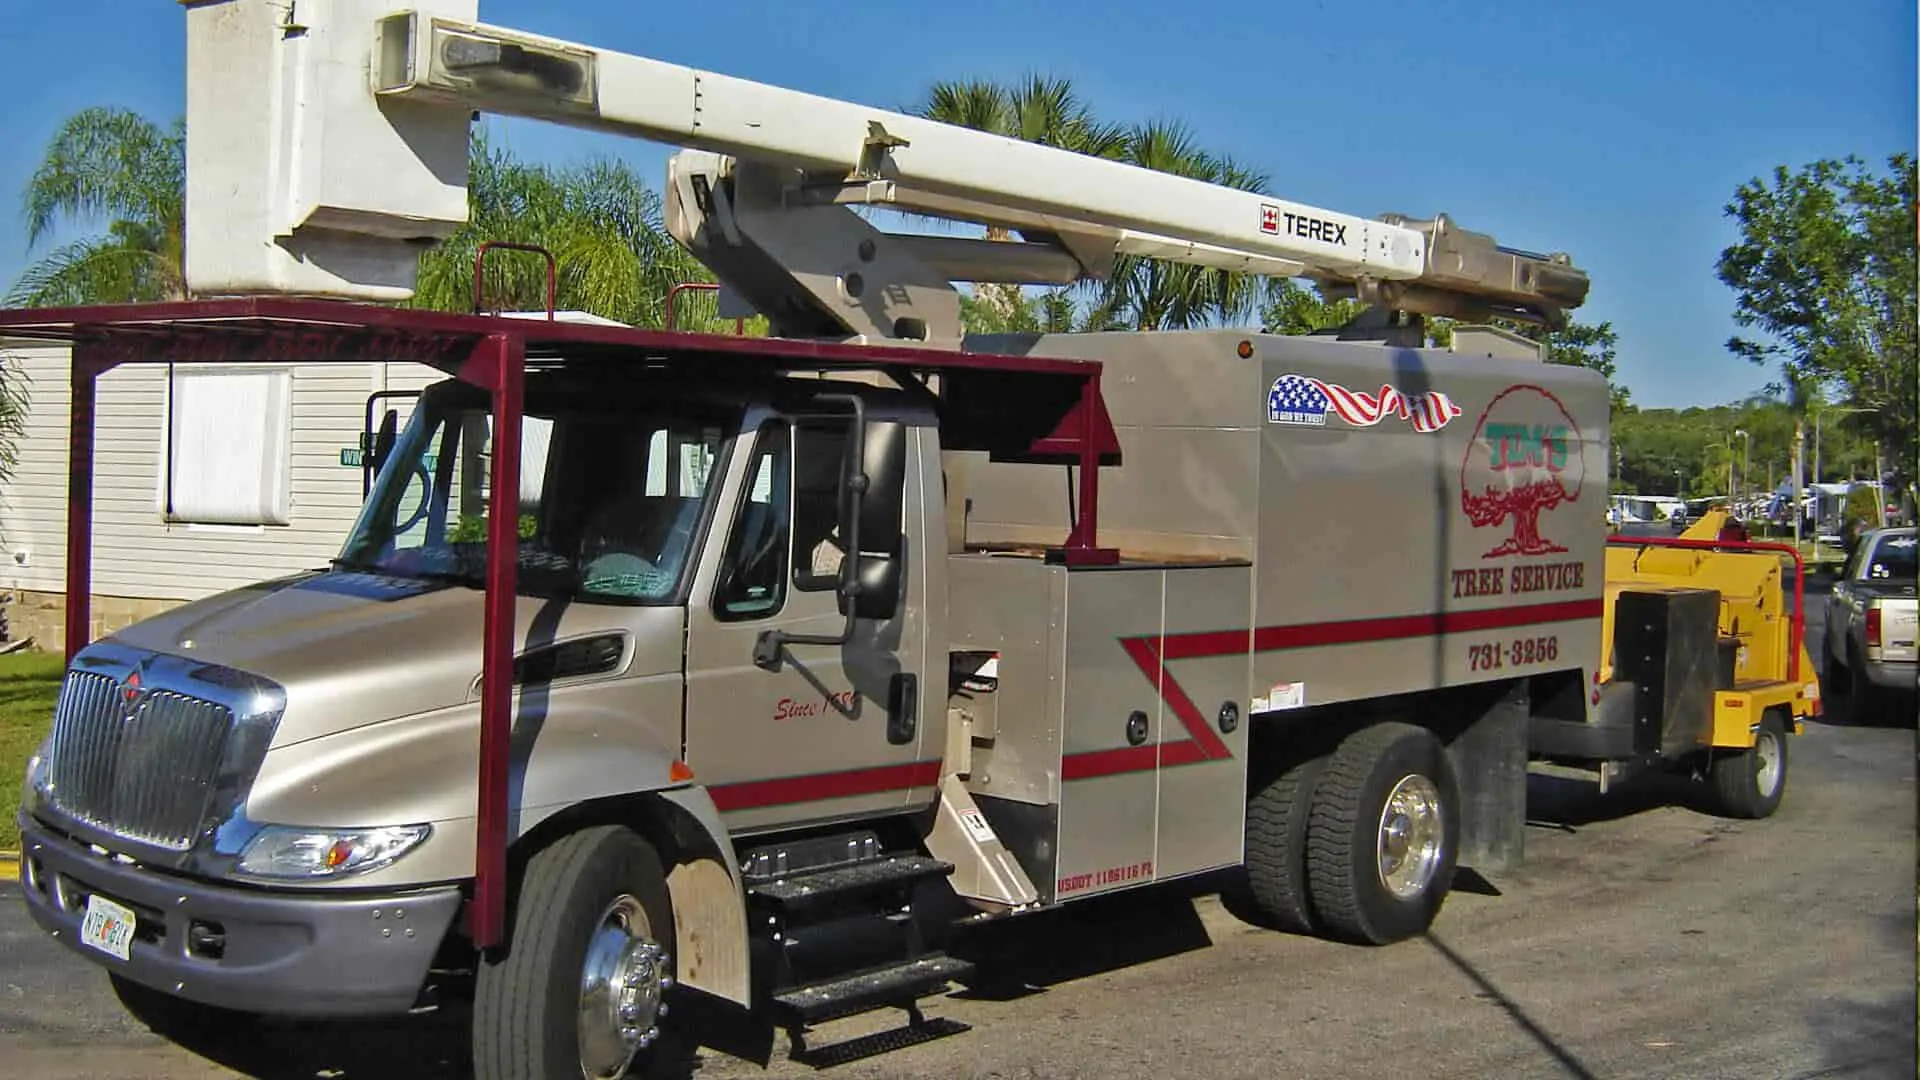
(601, 221)
(1140, 293)
(1155, 294)
(1294, 308)
(110, 163)
(1824, 271)
(1039, 109)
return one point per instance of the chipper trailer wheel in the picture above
(1750, 783)
(579, 993)
(1384, 834)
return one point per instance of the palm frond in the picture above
(108, 162)
(101, 270)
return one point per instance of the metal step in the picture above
(900, 986)
(796, 891)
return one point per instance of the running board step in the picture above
(815, 886)
(900, 986)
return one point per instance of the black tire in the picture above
(1275, 886)
(1344, 875)
(1866, 702)
(526, 1004)
(1750, 783)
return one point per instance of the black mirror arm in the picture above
(854, 482)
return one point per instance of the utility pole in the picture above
(1799, 465)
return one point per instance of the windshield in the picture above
(1893, 559)
(609, 500)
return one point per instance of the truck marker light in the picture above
(679, 772)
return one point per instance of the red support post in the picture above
(83, 380)
(1081, 549)
(501, 356)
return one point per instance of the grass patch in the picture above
(29, 684)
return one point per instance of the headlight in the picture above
(281, 851)
(34, 786)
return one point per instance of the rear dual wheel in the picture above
(1360, 844)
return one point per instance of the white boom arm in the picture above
(382, 93)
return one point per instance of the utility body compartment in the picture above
(1118, 753)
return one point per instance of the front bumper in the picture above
(1892, 674)
(281, 952)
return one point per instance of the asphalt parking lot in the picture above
(1642, 938)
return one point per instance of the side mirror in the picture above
(375, 448)
(383, 442)
(881, 457)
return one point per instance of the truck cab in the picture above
(265, 802)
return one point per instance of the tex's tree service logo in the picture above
(1523, 460)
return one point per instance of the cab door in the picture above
(785, 721)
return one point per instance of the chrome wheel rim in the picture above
(622, 981)
(1766, 751)
(1410, 838)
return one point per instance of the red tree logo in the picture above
(1523, 460)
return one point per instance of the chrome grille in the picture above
(144, 769)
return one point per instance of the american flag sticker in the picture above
(1304, 400)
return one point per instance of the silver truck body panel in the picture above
(1459, 541)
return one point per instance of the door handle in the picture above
(903, 708)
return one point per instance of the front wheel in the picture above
(579, 993)
(1384, 834)
(1750, 783)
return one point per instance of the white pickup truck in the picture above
(1872, 624)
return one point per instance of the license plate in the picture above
(109, 927)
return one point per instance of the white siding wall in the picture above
(137, 553)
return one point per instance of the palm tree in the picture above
(601, 221)
(113, 163)
(1152, 294)
(1293, 308)
(1041, 109)
(1140, 293)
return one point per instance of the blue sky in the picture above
(1614, 131)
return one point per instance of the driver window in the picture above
(820, 450)
(752, 580)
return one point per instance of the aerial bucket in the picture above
(300, 179)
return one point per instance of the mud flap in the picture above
(1490, 759)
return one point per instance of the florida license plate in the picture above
(109, 926)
